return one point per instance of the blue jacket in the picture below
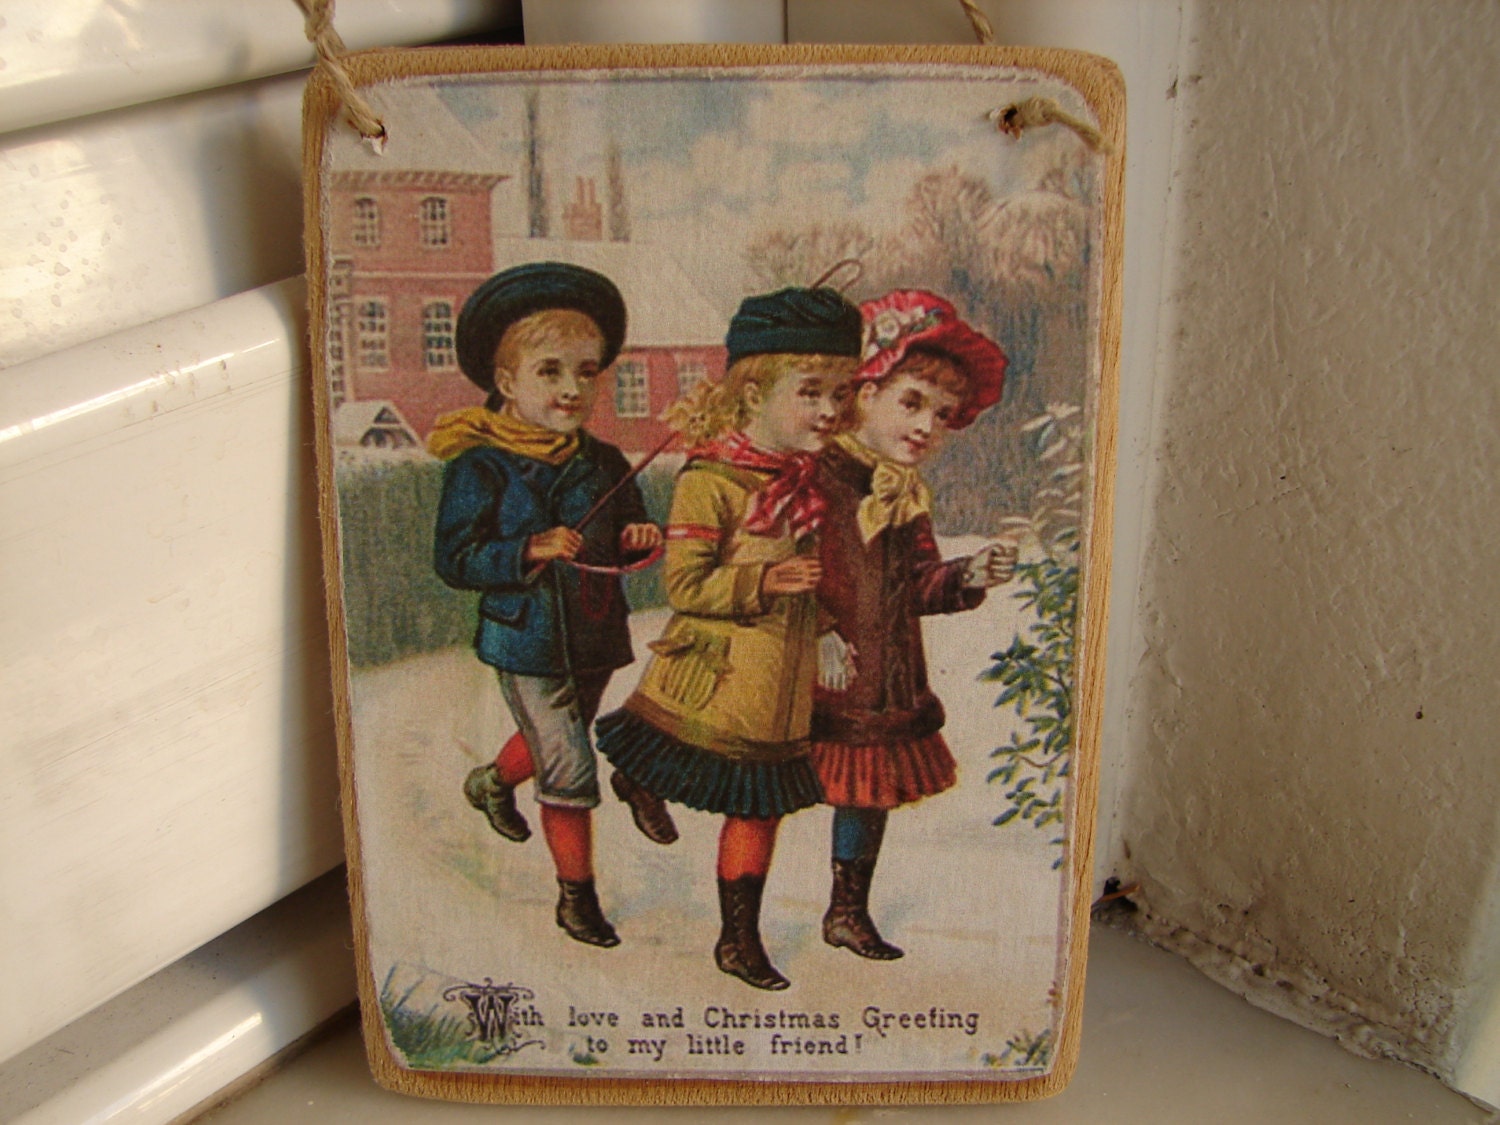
(565, 620)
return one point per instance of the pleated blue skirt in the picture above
(701, 779)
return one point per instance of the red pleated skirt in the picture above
(885, 775)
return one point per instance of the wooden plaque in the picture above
(877, 631)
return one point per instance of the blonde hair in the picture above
(712, 409)
(562, 325)
(931, 367)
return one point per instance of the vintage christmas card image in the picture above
(715, 499)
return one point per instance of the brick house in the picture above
(409, 245)
(407, 248)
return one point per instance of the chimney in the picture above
(536, 181)
(583, 219)
(619, 214)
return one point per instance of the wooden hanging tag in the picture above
(716, 448)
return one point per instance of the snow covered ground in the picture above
(977, 908)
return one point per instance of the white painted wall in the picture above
(1310, 762)
(654, 21)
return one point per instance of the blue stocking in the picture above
(857, 833)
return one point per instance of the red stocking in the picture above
(570, 838)
(513, 763)
(745, 846)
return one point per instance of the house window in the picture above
(433, 222)
(338, 323)
(437, 336)
(366, 222)
(340, 273)
(690, 374)
(372, 334)
(632, 389)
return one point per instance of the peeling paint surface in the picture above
(1311, 805)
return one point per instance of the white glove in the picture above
(835, 663)
(991, 565)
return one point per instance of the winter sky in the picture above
(712, 163)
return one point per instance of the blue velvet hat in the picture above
(516, 293)
(796, 321)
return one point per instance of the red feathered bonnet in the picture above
(907, 319)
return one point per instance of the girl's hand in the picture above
(835, 662)
(640, 537)
(791, 576)
(555, 543)
(993, 564)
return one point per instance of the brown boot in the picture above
(579, 914)
(848, 922)
(648, 810)
(739, 951)
(497, 800)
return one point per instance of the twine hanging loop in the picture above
(1031, 113)
(984, 31)
(317, 23)
(1013, 120)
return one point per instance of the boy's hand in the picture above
(791, 576)
(640, 537)
(556, 543)
(993, 564)
(835, 662)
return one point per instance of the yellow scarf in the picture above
(473, 426)
(897, 494)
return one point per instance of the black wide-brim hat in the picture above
(516, 293)
(798, 322)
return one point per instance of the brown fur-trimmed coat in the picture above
(875, 595)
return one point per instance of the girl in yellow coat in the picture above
(721, 718)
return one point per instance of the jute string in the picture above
(318, 24)
(1013, 120)
(984, 31)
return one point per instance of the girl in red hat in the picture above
(876, 731)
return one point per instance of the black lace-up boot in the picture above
(649, 811)
(848, 923)
(739, 951)
(497, 800)
(579, 914)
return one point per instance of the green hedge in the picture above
(394, 603)
(395, 606)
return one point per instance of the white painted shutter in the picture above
(167, 764)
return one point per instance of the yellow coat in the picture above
(733, 672)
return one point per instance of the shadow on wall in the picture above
(254, 154)
(311, 833)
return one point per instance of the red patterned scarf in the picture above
(792, 492)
